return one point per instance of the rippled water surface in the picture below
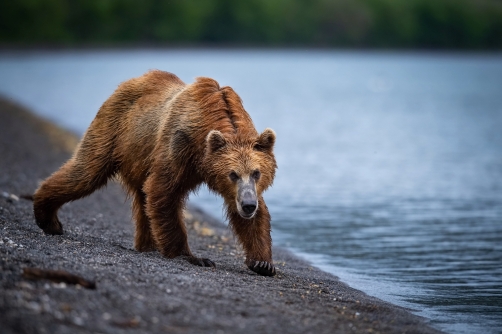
(390, 165)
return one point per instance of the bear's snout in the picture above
(247, 202)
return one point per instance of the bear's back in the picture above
(139, 110)
(221, 108)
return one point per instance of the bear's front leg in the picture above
(254, 235)
(164, 207)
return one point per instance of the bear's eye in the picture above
(258, 147)
(233, 176)
(256, 174)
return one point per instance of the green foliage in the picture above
(348, 23)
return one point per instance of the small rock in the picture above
(34, 306)
(26, 285)
(107, 316)
(78, 321)
(134, 322)
(58, 315)
(66, 307)
(9, 197)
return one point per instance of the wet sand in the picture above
(144, 292)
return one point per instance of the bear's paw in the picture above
(50, 226)
(263, 268)
(197, 261)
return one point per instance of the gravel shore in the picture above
(144, 292)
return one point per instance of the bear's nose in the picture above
(248, 201)
(248, 207)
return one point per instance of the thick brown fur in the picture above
(163, 139)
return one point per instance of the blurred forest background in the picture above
(431, 24)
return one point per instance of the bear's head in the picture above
(240, 168)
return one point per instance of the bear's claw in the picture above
(197, 261)
(263, 268)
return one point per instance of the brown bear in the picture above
(163, 139)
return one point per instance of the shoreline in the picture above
(145, 291)
(48, 50)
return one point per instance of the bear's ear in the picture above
(266, 141)
(215, 141)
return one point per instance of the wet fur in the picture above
(153, 133)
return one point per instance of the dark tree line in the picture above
(468, 24)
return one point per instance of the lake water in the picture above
(390, 164)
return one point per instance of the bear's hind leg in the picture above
(88, 170)
(69, 183)
(143, 239)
